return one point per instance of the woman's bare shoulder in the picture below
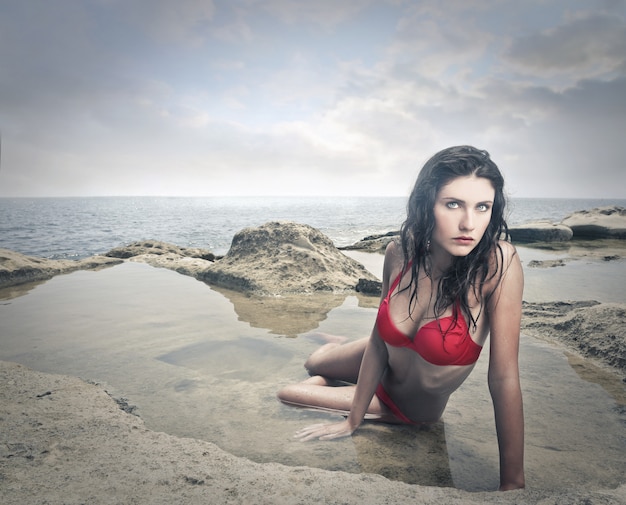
(504, 256)
(394, 260)
(507, 247)
(394, 255)
(394, 248)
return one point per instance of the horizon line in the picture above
(510, 197)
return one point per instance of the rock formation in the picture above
(273, 259)
(540, 231)
(156, 248)
(280, 258)
(602, 222)
(184, 260)
(16, 268)
(373, 243)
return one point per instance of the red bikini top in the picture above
(440, 342)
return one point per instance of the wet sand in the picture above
(205, 364)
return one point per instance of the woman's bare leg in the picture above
(338, 361)
(330, 363)
(318, 393)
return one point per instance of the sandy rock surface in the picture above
(374, 243)
(184, 260)
(64, 441)
(158, 248)
(602, 222)
(16, 268)
(594, 330)
(285, 258)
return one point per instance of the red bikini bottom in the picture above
(385, 398)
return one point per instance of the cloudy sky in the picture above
(308, 97)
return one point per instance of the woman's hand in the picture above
(325, 431)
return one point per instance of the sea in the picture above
(77, 227)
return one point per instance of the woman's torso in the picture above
(417, 378)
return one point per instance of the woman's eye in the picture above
(483, 207)
(452, 205)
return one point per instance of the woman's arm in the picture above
(373, 365)
(505, 312)
(372, 369)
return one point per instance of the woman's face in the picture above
(462, 213)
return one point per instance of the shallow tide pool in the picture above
(202, 363)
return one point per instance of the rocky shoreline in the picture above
(275, 259)
(289, 259)
(281, 258)
(591, 329)
(17, 269)
(599, 223)
(67, 441)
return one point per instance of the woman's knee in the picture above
(286, 394)
(315, 362)
(294, 393)
(301, 391)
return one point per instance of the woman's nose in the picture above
(467, 223)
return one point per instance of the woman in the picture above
(448, 284)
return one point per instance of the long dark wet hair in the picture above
(469, 272)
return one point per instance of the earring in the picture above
(428, 246)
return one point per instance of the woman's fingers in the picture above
(310, 432)
(323, 432)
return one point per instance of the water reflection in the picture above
(607, 380)
(288, 315)
(19, 290)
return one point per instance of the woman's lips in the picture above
(463, 240)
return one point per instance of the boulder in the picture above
(16, 268)
(601, 222)
(540, 231)
(280, 258)
(369, 287)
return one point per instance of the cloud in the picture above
(328, 13)
(587, 46)
(181, 22)
(235, 31)
(251, 97)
